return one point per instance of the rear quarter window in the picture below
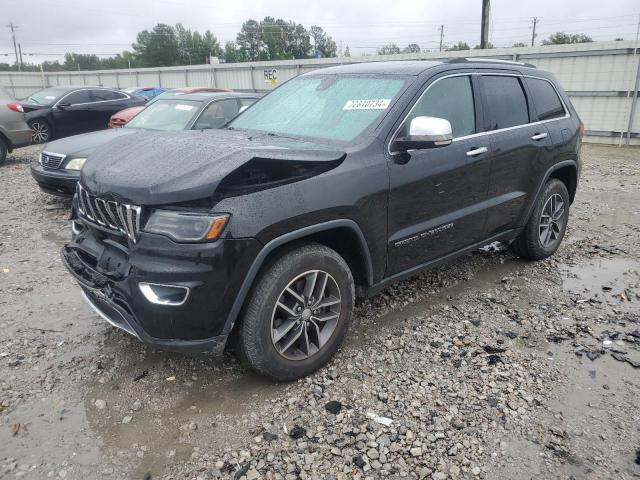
(545, 99)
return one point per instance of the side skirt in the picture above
(376, 288)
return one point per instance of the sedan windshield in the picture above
(48, 96)
(327, 107)
(166, 115)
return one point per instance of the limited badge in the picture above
(371, 104)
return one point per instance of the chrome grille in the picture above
(52, 161)
(117, 216)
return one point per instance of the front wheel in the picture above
(3, 151)
(298, 314)
(40, 131)
(547, 225)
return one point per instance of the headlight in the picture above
(75, 164)
(185, 226)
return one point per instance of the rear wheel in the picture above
(298, 314)
(547, 225)
(40, 131)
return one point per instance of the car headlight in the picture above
(186, 226)
(75, 164)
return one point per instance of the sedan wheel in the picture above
(40, 131)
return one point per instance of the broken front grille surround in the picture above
(117, 216)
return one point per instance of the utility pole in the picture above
(533, 34)
(13, 29)
(20, 54)
(484, 27)
(441, 35)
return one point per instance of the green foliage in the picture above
(389, 49)
(519, 44)
(411, 48)
(459, 46)
(561, 38)
(81, 61)
(322, 42)
(347, 52)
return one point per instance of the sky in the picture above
(49, 28)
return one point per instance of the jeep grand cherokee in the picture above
(337, 183)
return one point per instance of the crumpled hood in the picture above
(85, 143)
(159, 168)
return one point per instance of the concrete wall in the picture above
(599, 78)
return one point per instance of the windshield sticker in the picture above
(184, 107)
(372, 104)
(49, 97)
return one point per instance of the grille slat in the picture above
(119, 217)
(51, 161)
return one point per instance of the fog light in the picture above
(173, 295)
(76, 227)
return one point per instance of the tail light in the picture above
(581, 129)
(16, 107)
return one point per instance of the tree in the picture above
(560, 38)
(249, 42)
(299, 42)
(411, 48)
(231, 54)
(389, 49)
(158, 47)
(81, 61)
(323, 44)
(519, 44)
(459, 46)
(347, 52)
(618, 39)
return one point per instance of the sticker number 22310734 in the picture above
(371, 104)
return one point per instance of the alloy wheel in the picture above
(551, 220)
(305, 315)
(39, 132)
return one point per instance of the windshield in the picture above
(48, 96)
(166, 115)
(328, 107)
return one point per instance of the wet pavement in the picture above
(79, 399)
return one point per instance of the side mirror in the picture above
(63, 105)
(425, 132)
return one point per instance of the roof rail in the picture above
(489, 60)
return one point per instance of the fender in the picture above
(552, 169)
(287, 238)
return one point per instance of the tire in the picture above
(536, 242)
(258, 339)
(41, 131)
(3, 150)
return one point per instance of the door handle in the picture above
(477, 151)
(540, 136)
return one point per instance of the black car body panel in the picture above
(388, 213)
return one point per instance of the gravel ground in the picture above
(488, 367)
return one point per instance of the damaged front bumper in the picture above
(170, 296)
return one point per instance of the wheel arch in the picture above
(565, 171)
(342, 235)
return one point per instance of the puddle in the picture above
(602, 277)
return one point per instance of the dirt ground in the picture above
(489, 367)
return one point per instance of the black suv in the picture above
(332, 186)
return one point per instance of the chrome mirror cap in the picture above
(431, 129)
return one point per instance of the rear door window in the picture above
(545, 99)
(451, 99)
(506, 101)
(79, 96)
